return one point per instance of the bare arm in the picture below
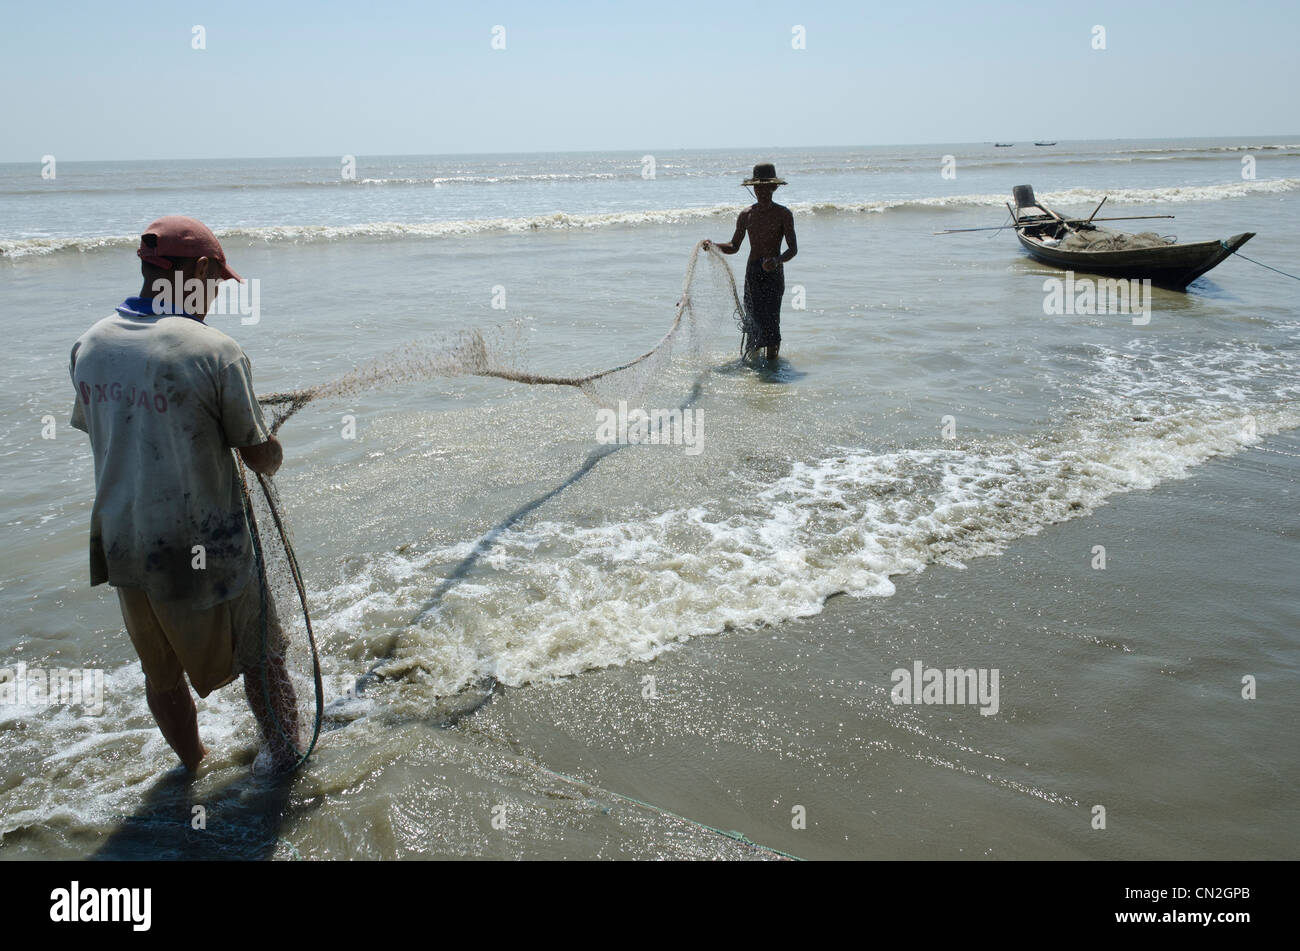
(792, 244)
(264, 458)
(737, 239)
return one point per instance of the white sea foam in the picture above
(564, 597)
(555, 597)
(560, 221)
(484, 179)
(94, 769)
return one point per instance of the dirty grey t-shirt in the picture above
(164, 399)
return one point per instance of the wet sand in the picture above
(1153, 727)
(748, 725)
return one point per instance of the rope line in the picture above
(292, 559)
(475, 349)
(1224, 244)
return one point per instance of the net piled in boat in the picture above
(1102, 239)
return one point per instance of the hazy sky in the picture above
(122, 80)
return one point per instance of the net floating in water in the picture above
(289, 683)
(708, 298)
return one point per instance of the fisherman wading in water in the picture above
(164, 399)
(766, 223)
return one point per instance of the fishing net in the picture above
(287, 686)
(708, 298)
(282, 667)
(1102, 239)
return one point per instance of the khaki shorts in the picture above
(213, 646)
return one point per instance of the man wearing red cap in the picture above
(164, 398)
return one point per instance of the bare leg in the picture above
(772, 352)
(279, 723)
(178, 720)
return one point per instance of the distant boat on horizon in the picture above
(1044, 143)
(1003, 145)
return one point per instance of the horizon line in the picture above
(723, 148)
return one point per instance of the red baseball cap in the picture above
(181, 237)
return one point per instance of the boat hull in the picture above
(1174, 266)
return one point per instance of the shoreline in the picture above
(961, 792)
(749, 724)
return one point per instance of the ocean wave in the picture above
(558, 596)
(1222, 148)
(486, 179)
(970, 155)
(189, 185)
(1057, 160)
(19, 248)
(562, 597)
(24, 247)
(1175, 193)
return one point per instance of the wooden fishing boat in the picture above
(1044, 143)
(1081, 245)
